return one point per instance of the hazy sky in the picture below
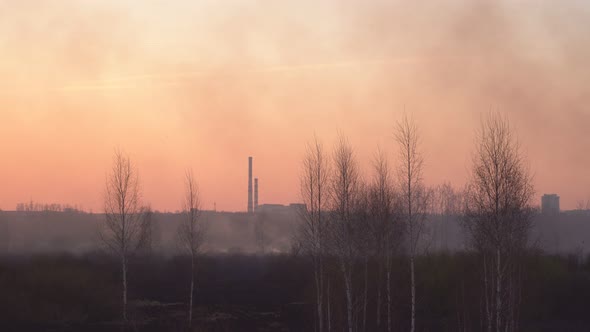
(205, 84)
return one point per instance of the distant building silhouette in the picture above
(255, 194)
(293, 207)
(550, 204)
(250, 205)
(298, 206)
(271, 207)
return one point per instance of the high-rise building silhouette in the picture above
(250, 206)
(550, 204)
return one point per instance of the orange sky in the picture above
(205, 84)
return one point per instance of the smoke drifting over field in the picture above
(30, 233)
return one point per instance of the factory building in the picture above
(253, 205)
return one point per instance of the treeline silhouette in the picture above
(32, 206)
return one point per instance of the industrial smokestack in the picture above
(250, 185)
(255, 194)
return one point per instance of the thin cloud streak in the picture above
(164, 79)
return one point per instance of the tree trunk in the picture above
(487, 297)
(329, 309)
(366, 294)
(413, 286)
(348, 286)
(379, 280)
(389, 298)
(318, 281)
(124, 268)
(464, 306)
(498, 292)
(190, 306)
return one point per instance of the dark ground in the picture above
(266, 293)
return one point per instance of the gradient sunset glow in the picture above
(205, 84)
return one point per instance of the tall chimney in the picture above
(255, 194)
(249, 184)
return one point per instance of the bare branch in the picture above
(498, 216)
(124, 224)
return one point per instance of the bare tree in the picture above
(191, 231)
(385, 229)
(123, 214)
(583, 205)
(346, 194)
(413, 195)
(315, 194)
(498, 218)
(364, 243)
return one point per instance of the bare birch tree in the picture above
(122, 229)
(385, 230)
(315, 194)
(583, 205)
(413, 195)
(345, 197)
(365, 245)
(191, 231)
(498, 218)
